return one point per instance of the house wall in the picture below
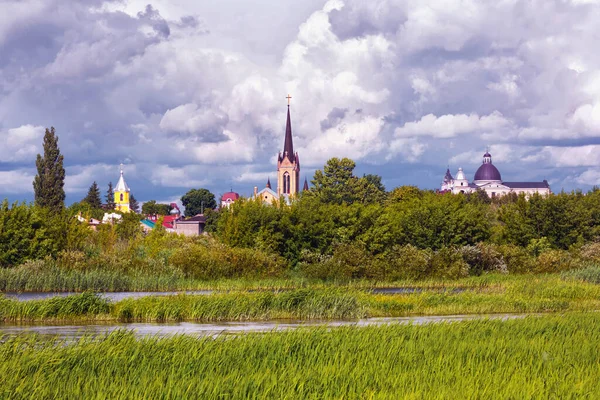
(192, 228)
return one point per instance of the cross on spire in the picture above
(121, 168)
(288, 98)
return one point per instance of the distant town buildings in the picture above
(488, 178)
(228, 199)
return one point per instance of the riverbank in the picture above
(533, 294)
(539, 357)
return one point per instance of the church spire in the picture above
(305, 188)
(288, 145)
(269, 183)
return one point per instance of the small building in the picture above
(488, 178)
(193, 226)
(228, 199)
(266, 195)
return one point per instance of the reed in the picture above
(532, 358)
(536, 294)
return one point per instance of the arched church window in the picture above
(121, 196)
(286, 183)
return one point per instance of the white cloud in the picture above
(590, 177)
(16, 181)
(21, 144)
(184, 177)
(448, 126)
(410, 149)
(580, 156)
(190, 119)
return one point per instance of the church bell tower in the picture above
(122, 194)
(288, 163)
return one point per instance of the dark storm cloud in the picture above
(431, 83)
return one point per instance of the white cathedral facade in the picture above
(488, 178)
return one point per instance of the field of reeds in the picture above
(532, 358)
(532, 294)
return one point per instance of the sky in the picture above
(189, 94)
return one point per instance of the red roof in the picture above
(233, 196)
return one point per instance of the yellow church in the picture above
(121, 192)
(288, 170)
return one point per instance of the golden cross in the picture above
(288, 97)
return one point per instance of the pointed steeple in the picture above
(288, 145)
(121, 185)
(305, 185)
(269, 183)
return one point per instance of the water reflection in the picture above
(215, 329)
(112, 296)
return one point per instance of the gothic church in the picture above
(288, 170)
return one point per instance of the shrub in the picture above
(349, 261)
(590, 252)
(554, 261)
(407, 262)
(483, 257)
(448, 263)
(214, 261)
(517, 259)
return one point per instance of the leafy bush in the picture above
(214, 261)
(517, 259)
(448, 263)
(554, 261)
(407, 262)
(590, 252)
(483, 257)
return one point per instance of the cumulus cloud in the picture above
(189, 119)
(16, 181)
(168, 86)
(448, 126)
(21, 144)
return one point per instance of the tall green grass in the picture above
(59, 280)
(296, 304)
(532, 295)
(534, 358)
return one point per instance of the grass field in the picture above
(521, 294)
(534, 358)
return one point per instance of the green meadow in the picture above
(533, 358)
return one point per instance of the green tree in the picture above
(133, 204)
(369, 190)
(336, 183)
(110, 197)
(152, 207)
(48, 184)
(197, 200)
(93, 196)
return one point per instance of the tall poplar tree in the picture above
(93, 196)
(110, 197)
(48, 184)
(133, 204)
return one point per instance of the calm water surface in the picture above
(117, 296)
(112, 296)
(215, 329)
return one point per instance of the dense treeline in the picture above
(344, 227)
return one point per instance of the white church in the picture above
(488, 178)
